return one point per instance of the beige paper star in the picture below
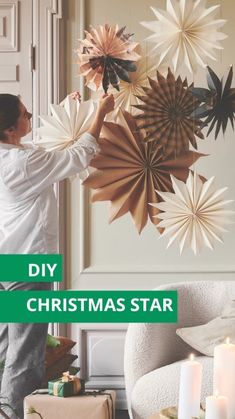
(68, 122)
(186, 32)
(194, 214)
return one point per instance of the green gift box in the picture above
(67, 385)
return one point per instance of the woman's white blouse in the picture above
(28, 207)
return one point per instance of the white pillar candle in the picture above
(190, 389)
(216, 407)
(224, 374)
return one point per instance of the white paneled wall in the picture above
(9, 26)
(15, 41)
(104, 256)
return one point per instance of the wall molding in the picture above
(116, 382)
(9, 24)
(49, 85)
(184, 269)
(9, 72)
(85, 266)
(49, 43)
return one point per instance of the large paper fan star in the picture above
(167, 114)
(107, 55)
(194, 214)
(186, 32)
(68, 122)
(128, 171)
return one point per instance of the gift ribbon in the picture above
(56, 388)
(66, 378)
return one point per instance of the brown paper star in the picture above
(167, 114)
(128, 171)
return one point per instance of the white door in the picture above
(15, 49)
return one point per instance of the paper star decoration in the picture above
(68, 122)
(186, 32)
(195, 214)
(167, 114)
(217, 102)
(107, 55)
(128, 171)
(128, 94)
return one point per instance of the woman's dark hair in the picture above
(9, 112)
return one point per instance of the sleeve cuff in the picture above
(88, 140)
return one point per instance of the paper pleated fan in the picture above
(217, 103)
(107, 55)
(195, 214)
(128, 170)
(186, 32)
(128, 93)
(67, 122)
(167, 114)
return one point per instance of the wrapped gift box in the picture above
(67, 385)
(87, 406)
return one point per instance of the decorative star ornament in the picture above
(107, 55)
(67, 122)
(167, 115)
(194, 214)
(217, 104)
(128, 170)
(186, 32)
(128, 95)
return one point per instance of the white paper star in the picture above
(68, 122)
(187, 32)
(194, 214)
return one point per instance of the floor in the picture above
(122, 414)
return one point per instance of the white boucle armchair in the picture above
(153, 352)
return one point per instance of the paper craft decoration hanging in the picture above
(68, 122)
(128, 171)
(217, 104)
(128, 93)
(186, 32)
(167, 114)
(107, 55)
(195, 214)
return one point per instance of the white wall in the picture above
(116, 252)
(115, 256)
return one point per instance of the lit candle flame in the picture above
(191, 357)
(227, 340)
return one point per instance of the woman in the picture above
(28, 224)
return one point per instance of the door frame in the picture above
(49, 86)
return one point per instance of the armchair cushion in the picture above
(205, 337)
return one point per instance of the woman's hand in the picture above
(106, 104)
(75, 95)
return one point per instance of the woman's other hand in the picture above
(106, 104)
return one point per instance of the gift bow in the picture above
(66, 377)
